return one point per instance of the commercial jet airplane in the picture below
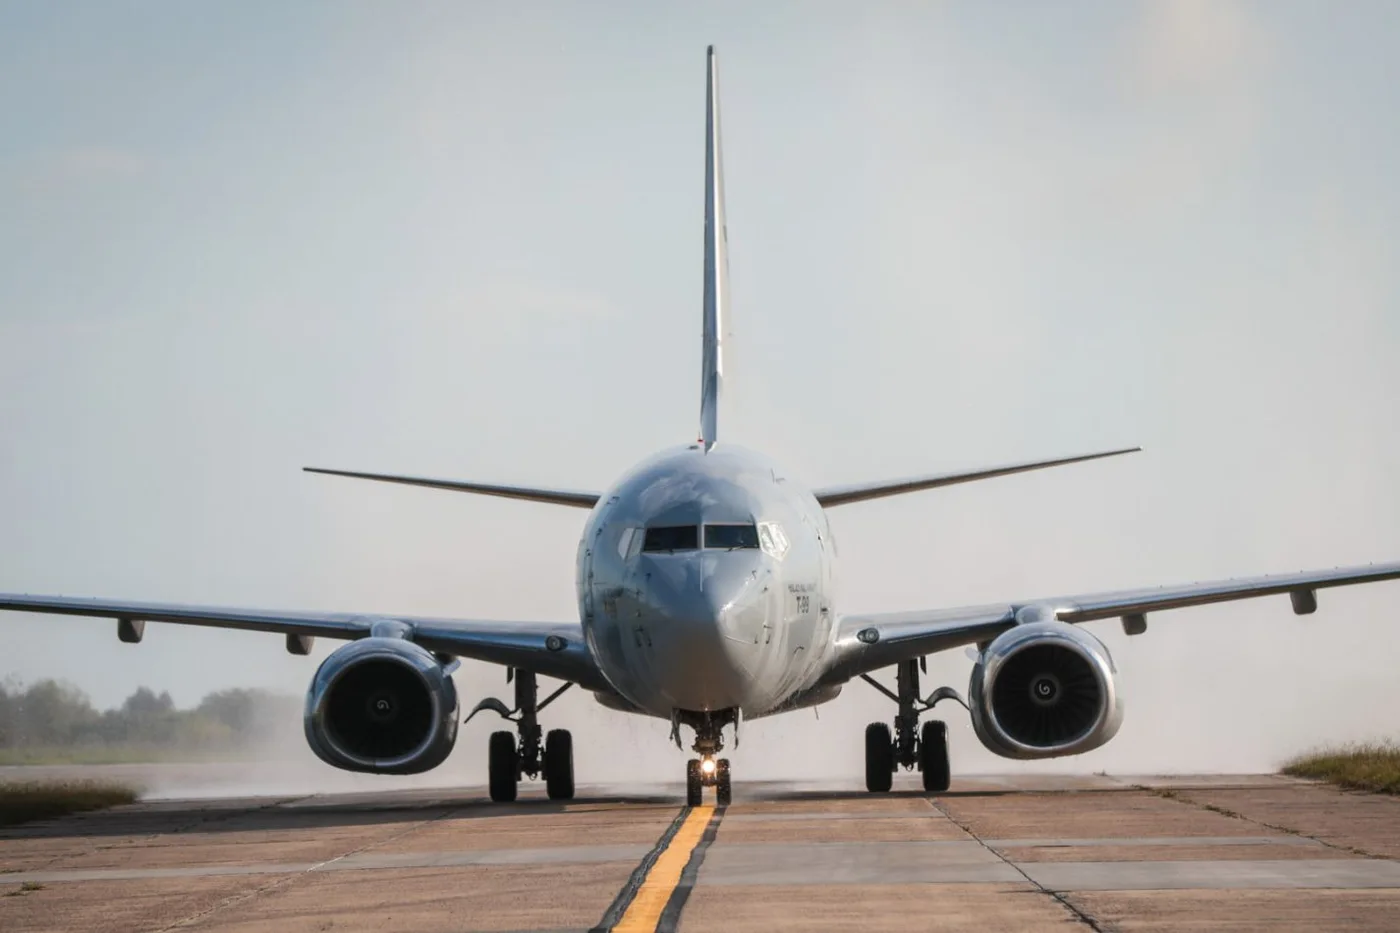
(704, 583)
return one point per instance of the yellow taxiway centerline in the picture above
(644, 913)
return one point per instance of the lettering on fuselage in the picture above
(802, 597)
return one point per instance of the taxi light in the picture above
(708, 766)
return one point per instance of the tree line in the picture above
(49, 714)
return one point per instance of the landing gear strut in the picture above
(509, 760)
(707, 770)
(909, 746)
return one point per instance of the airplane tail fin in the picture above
(716, 306)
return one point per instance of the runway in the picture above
(1032, 853)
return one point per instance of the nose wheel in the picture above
(707, 772)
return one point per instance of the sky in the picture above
(464, 240)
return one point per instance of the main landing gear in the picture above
(509, 760)
(707, 770)
(908, 746)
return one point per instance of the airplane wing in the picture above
(554, 649)
(860, 492)
(569, 497)
(867, 642)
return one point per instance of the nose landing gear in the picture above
(707, 770)
(908, 746)
(509, 759)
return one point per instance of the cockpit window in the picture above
(671, 538)
(731, 536)
(772, 539)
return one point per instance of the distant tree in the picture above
(144, 702)
(10, 690)
(250, 713)
(195, 731)
(148, 718)
(236, 708)
(49, 712)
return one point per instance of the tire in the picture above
(879, 758)
(933, 756)
(722, 787)
(559, 764)
(503, 766)
(694, 787)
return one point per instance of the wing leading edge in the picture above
(859, 492)
(554, 649)
(870, 641)
(577, 499)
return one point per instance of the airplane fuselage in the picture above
(704, 583)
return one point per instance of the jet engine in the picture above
(1043, 690)
(382, 705)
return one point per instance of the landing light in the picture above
(708, 766)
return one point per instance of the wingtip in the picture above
(710, 51)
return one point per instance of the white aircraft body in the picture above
(704, 583)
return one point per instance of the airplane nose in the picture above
(707, 634)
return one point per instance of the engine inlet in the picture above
(1046, 695)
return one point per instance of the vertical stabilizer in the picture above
(716, 264)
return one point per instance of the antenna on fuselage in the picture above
(716, 306)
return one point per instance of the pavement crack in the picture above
(1079, 915)
(284, 880)
(1179, 797)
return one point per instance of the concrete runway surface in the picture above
(995, 853)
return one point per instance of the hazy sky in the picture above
(464, 240)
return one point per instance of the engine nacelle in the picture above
(1044, 690)
(382, 705)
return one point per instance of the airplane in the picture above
(704, 585)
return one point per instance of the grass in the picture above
(1374, 767)
(29, 887)
(43, 800)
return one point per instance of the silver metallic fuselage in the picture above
(707, 629)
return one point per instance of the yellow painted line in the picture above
(644, 913)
